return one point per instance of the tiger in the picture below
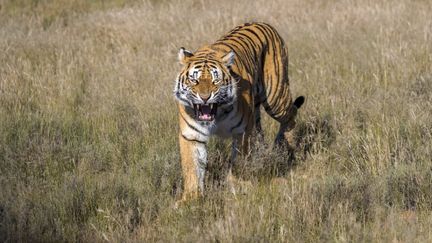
(219, 91)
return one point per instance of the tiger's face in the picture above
(205, 83)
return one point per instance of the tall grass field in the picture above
(89, 125)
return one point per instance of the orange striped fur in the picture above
(219, 91)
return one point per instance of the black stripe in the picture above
(193, 128)
(268, 109)
(256, 35)
(234, 75)
(213, 66)
(282, 77)
(250, 50)
(226, 112)
(238, 124)
(249, 42)
(193, 140)
(264, 33)
(231, 108)
(267, 30)
(236, 40)
(269, 86)
(227, 45)
(210, 62)
(279, 83)
(246, 51)
(279, 92)
(182, 99)
(247, 37)
(268, 33)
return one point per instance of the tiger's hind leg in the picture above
(285, 136)
(258, 128)
(277, 100)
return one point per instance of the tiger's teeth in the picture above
(211, 106)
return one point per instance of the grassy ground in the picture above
(88, 124)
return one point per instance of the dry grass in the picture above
(88, 124)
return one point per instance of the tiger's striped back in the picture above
(261, 59)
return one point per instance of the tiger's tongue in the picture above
(205, 113)
(205, 117)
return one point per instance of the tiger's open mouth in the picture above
(205, 112)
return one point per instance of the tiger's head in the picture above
(205, 82)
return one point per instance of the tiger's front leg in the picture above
(193, 153)
(193, 161)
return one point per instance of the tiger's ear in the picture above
(184, 55)
(228, 59)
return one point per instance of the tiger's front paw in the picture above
(179, 203)
(237, 186)
(186, 199)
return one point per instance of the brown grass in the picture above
(88, 124)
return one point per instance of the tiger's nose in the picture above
(205, 98)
